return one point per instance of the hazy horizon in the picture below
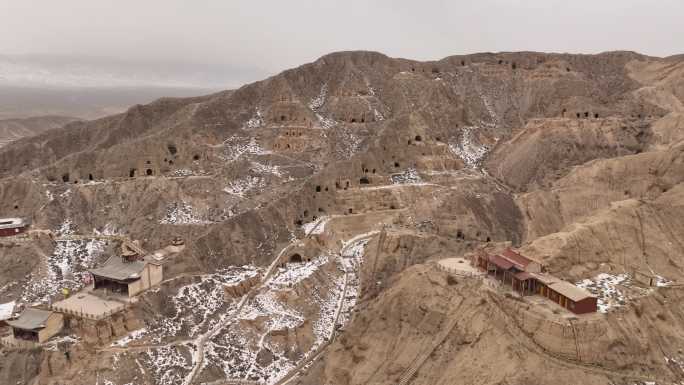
(217, 44)
(79, 50)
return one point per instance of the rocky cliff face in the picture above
(574, 158)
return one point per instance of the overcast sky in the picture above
(224, 43)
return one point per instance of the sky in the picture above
(225, 43)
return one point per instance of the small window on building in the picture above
(364, 180)
(350, 211)
(65, 177)
(90, 177)
(149, 172)
(418, 138)
(318, 188)
(131, 173)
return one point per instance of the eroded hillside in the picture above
(312, 208)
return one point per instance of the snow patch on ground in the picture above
(266, 305)
(662, 281)
(237, 146)
(169, 365)
(318, 102)
(67, 267)
(266, 169)
(351, 259)
(135, 335)
(242, 186)
(66, 228)
(294, 272)
(410, 176)
(326, 122)
(56, 342)
(182, 214)
(182, 172)
(347, 144)
(605, 287)
(315, 227)
(256, 121)
(469, 149)
(199, 306)
(378, 116)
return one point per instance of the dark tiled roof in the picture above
(115, 268)
(31, 319)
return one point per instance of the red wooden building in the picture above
(567, 295)
(13, 226)
(524, 276)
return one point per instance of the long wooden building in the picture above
(13, 226)
(525, 277)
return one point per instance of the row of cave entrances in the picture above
(66, 178)
(579, 114)
(347, 184)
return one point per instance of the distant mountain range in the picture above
(13, 129)
(83, 102)
(93, 87)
